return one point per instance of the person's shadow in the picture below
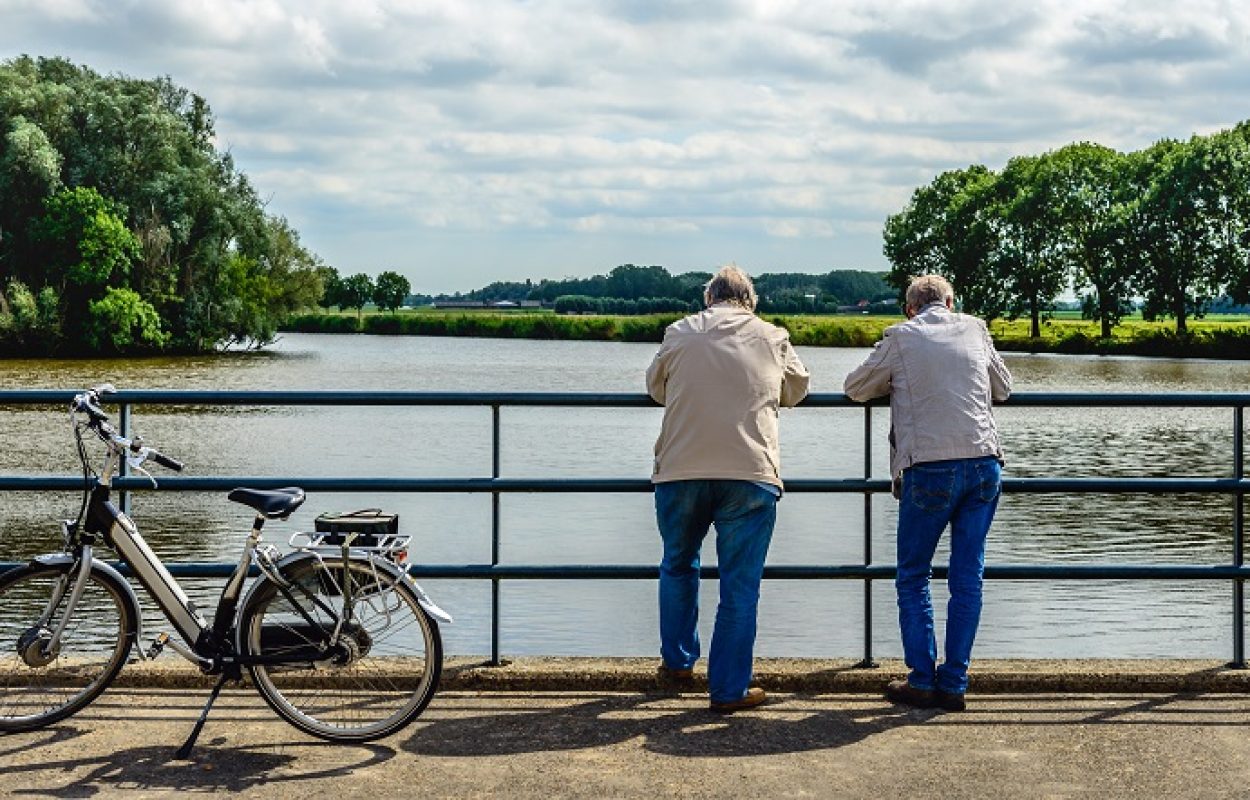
(668, 728)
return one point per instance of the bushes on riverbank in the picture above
(649, 328)
(1205, 340)
(1226, 342)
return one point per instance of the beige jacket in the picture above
(941, 372)
(720, 375)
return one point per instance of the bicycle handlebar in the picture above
(165, 461)
(88, 403)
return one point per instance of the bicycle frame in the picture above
(210, 646)
(118, 531)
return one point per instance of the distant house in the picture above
(502, 305)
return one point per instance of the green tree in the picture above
(28, 321)
(122, 321)
(356, 291)
(632, 282)
(946, 230)
(1192, 234)
(1026, 255)
(1089, 187)
(30, 171)
(331, 287)
(146, 148)
(390, 290)
(87, 243)
(689, 286)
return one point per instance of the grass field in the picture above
(1215, 336)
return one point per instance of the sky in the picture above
(468, 141)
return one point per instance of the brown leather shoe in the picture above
(949, 701)
(754, 697)
(667, 674)
(900, 691)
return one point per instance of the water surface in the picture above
(797, 618)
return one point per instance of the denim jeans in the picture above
(744, 515)
(963, 493)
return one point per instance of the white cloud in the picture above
(514, 138)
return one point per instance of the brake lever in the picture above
(135, 462)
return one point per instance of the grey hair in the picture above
(926, 289)
(731, 285)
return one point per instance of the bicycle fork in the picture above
(41, 644)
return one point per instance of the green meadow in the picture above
(1214, 336)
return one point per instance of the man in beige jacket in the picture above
(720, 375)
(942, 374)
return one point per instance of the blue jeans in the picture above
(743, 514)
(963, 493)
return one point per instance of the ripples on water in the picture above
(801, 618)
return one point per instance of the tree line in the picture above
(634, 289)
(1168, 225)
(124, 229)
(388, 291)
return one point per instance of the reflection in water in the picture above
(800, 618)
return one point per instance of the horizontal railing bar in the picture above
(599, 399)
(779, 572)
(610, 485)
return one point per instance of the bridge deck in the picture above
(616, 744)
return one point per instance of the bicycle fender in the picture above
(426, 603)
(107, 570)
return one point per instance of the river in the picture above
(797, 618)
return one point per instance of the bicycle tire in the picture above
(37, 689)
(384, 674)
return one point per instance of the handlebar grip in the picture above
(165, 461)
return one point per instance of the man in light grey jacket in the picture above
(942, 373)
(720, 375)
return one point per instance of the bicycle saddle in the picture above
(273, 503)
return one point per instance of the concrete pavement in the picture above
(606, 744)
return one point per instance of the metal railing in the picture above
(1236, 486)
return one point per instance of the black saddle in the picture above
(273, 503)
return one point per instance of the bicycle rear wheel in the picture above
(38, 687)
(378, 677)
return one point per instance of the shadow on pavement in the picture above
(676, 731)
(210, 768)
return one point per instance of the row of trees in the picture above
(388, 292)
(581, 304)
(1169, 224)
(122, 228)
(649, 287)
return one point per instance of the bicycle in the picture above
(335, 635)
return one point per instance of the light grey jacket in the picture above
(720, 375)
(942, 373)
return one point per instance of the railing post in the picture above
(867, 663)
(123, 497)
(1239, 588)
(495, 661)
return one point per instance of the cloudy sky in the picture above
(461, 142)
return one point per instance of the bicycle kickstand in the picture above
(185, 750)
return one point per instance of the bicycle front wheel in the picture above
(42, 682)
(375, 678)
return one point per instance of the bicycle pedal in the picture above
(158, 644)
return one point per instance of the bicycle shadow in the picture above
(665, 728)
(210, 768)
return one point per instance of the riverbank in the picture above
(1223, 339)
